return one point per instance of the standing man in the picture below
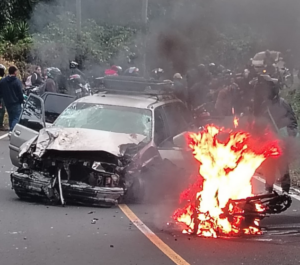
(2, 106)
(280, 115)
(12, 94)
(180, 88)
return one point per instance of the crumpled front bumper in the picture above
(37, 186)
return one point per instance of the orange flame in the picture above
(228, 160)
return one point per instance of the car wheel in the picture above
(136, 193)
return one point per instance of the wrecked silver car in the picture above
(77, 165)
(99, 150)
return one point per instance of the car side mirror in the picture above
(35, 125)
(180, 140)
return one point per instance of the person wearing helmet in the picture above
(52, 74)
(157, 74)
(2, 106)
(213, 69)
(180, 89)
(119, 70)
(279, 115)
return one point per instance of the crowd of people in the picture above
(212, 90)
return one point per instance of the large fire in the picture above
(228, 160)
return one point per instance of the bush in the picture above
(97, 44)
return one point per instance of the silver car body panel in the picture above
(72, 139)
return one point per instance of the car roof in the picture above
(134, 101)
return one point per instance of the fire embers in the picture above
(228, 160)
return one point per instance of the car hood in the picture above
(73, 139)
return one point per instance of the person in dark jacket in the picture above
(198, 93)
(36, 78)
(51, 82)
(12, 94)
(279, 115)
(180, 88)
(2, 105)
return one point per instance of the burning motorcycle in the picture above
(221, 202)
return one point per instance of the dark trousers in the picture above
(2, 112)
(270, 168)
(14, 113)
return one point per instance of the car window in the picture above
(186, 114)
(32, 111)
(160, 128)
(109, 118)
(176, 118)
(55, 104)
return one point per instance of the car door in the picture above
(175, 122)
(55, 104)
(44, 110)
(32, 119)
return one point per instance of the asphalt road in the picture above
(37, 234)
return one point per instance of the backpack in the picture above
(28, 82)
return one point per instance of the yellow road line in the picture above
(152, 237)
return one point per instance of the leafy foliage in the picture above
(14, 32)
(96, 44)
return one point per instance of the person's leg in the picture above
(16, 116)
(285, 178)
(10, 117)
(2, 113)
(269, 169)
(14, 113)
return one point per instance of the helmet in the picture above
(52, 72)
(73, 65)
(212, 68)
(117, 68)
(157, 73)
(246, 73)
(2, 67)
(177, 76)
(202, 69)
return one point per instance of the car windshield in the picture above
(107, 118)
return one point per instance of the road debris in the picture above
(94, 220)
